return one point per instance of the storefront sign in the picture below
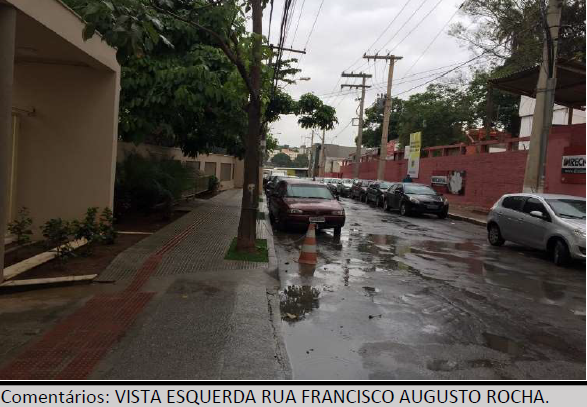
(414, 160)
(573, 164)
(439, 180)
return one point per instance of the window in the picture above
(225, 172)
(568, 208)
(419, 190)
(533, 204)
(513, 202)
(308, 191)
(210, 168)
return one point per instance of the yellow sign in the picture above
(414, 160)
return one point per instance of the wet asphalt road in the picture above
(424, 298)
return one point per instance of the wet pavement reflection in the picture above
(421, 298)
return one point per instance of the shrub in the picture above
(21, 227)
(57, 233)
(213, 183)
(106, 227)
(145, 182)
(87, 229)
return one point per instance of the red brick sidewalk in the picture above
(72, 349)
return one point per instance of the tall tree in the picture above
(441, 113)
(301, 161)
(136, 26)
(281, 160)
(510, 32)
(314, 114)
(373, 124)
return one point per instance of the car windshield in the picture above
(418, 190)
(308, 191)
(568, 208)
(384, 185)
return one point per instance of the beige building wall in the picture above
(65, 100)
(204, 162)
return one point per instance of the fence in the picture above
(201, 183)
(487, 176)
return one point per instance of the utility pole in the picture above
(322, 160)
(364, 76)
(312, 173)
(386, 111)
(7, 50)
(542, 119)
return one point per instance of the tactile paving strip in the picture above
(74, 347)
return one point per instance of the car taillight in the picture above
(338, 213)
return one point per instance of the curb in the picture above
(467, 219)
(273, 298)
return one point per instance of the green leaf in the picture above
(89, 31)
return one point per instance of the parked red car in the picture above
(296, 203)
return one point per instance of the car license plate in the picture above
(317, 219)
(431, 206)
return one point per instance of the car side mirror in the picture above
(537, 214)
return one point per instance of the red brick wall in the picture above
(488, 176)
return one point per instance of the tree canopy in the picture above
(281, 160)
(511, 34)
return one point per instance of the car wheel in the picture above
(403, 209)
(271, 218)
(385, 205)
(380, 202)
(560, 253)
(494, 235)
(337, 231)
(443, 215)
(364, 198)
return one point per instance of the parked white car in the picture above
(555, 223)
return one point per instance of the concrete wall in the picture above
(489, 176)
(201, 160)
(66, 150)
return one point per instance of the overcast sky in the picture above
(344, 31)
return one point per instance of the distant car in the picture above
(359, 190)
(554, 223)
(296, 203)
(331, 183)
(344, 187)
(410, 198)
(376, 191)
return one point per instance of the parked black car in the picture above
(359, 190)
(376, 190)
(409, 198)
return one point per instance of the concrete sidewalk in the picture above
(473, 215)
(180, 311)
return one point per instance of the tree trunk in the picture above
(247, 228)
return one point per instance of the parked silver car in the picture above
(555, 223)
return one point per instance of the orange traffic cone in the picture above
(308, 254)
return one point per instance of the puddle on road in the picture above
(298, 300)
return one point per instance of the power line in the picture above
(436, 37)
(404, 24)
(417, 25)
(314, 25)
(388, 26)
(298, 24)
